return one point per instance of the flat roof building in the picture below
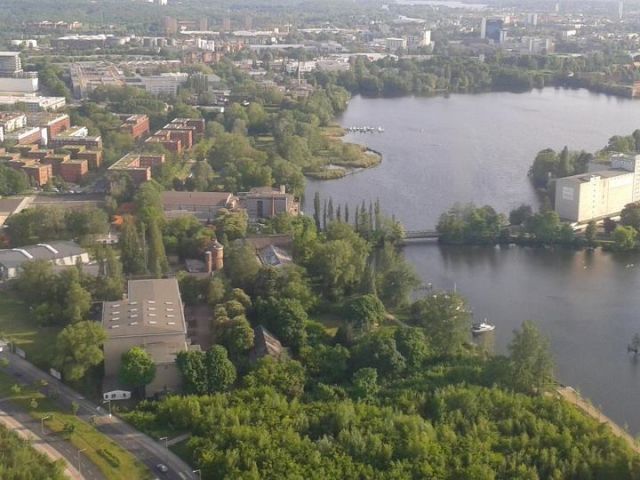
(151, 317)
(138, 166)
(595, 195)
(202, 205)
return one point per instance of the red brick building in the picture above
(135, 125)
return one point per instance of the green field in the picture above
(19, 326)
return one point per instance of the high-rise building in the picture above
(483, 28)
(170, 25)
(226, 24)
(493, 29)
(248, 22)
(532, 19)
(10, 63)
(620, 10)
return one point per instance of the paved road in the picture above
(144, 448)
(53, 447)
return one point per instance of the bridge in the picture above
(421, 235)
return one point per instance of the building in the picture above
(33, 103)
(78, 136)
(151, 317)
(137, 166)
(41, 165)
(267, 202)
(493, 27)
(11, 206)
(202, 205)
(19, 84)
(178, 135)
(393, 44)
(163, 84)
(61, 254)
(265, 344)
(596, 195)
(10, 63)
(51, 124)
(86, 76)
(135, 125)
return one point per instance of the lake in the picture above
(478, 148)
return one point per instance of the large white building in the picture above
(595, 195)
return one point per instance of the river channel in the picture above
(477, 148)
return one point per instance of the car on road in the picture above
(162, 467)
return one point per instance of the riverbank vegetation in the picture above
(435, 74)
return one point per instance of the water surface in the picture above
(478, 148)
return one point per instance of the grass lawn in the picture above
(20, 326)
(114, 462)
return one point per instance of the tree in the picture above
(590, 232)
(365, 312)
(193, 371)
(237, 336)
(630, 215)
(286, 318)
(413, 345)
(137, 368)
(530, 359)
(233, 224)
(395, 278)
(131, 252)
(285, 376)
(78, 348)
(624, 238)
(378, 350)
(77, 302)
(241, 265)
(445, 319)
(157, 258)
(221, 373)
(520, 215)
(365, 382)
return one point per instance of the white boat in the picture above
(482, 327)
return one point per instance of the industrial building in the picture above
(596, 195)
(151, 317)
(60, 254)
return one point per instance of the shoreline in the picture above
(571, 395)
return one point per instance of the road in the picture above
(54, 447)
(144, 448)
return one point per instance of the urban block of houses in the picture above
(137, 166)
(41, 165)
(135, 125)
(202, 205)
(597, 195)
(267, 202)
(61, 254)
(178, 135)
(151, 317)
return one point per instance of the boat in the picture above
(482, 327)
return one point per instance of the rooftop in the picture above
(152, 307)
(196, 198)
(13, 258)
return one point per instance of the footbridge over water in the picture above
(421, 235)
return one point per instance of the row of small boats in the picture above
(364, 129)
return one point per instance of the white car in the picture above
(162, 467)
